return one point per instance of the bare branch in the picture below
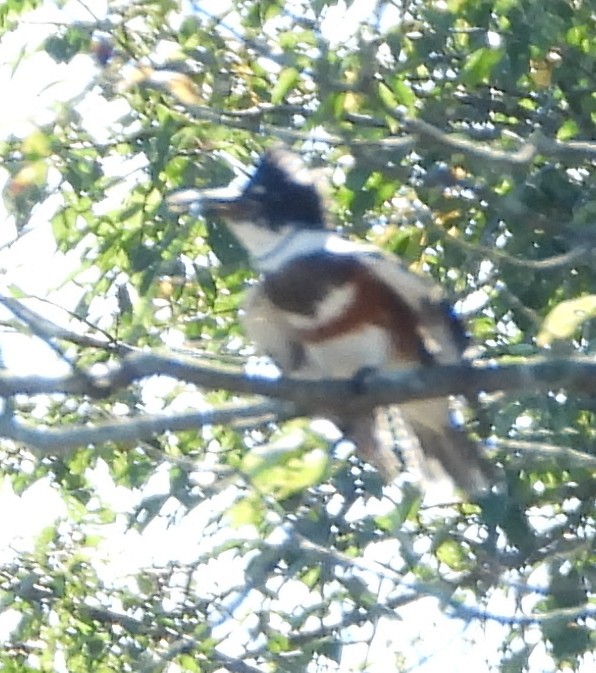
(579, 251)
(326, 397)
(536, 144)
(569, 615)
(47, 330)
(442, 591)
(543, 451)
(378, 389)
(60, 441)
(458, 143)
(418, 132)
(571, 149)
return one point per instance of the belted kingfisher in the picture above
(328, 307)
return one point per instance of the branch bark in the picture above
(61, 440)
(288, 397)
(377, 389)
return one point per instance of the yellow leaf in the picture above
(179, 85)
(32, 174)
(135, 76)
(541, 73)
(351, 101)
(37, 144)
(565, 318)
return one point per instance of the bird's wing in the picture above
(441, 447)
(439, 329)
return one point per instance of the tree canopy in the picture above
(458, 135)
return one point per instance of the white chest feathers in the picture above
(279, 334)
(345, 355)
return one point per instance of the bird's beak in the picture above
(223, 202)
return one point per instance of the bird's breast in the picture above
(343, 315)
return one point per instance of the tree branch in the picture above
(379, 388)
(417, 132)
(541, 451)
(61, 440)
(326, 397)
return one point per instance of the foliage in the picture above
(295, 559)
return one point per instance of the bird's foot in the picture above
(361, 379)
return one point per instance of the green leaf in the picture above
(386, 95)
(452, 554)
(568, 129)
(247, 511)
(286, 80)
(480, 64)
(284, 470)
(226, 248)
(403, 94)
(63, 47)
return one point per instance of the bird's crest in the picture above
(286, 191)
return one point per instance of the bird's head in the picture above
(282, 197)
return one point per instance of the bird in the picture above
(327, 307)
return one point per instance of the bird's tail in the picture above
(445, 449)
(422, 436)
(374, 450)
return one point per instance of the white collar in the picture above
(303, 242)
(295, 243)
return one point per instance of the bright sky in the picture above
(33, 89)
